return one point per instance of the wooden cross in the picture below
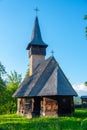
(52, 52)
(36, 9)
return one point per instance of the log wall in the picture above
(46, 106)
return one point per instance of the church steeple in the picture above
(36, 38)
(37, 47)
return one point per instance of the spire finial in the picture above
(36, 10)
(52, 53)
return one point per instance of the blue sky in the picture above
(62, 27)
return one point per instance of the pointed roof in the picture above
(36, 38)
(47, 80)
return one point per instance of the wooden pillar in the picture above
(32, 104)
(44, 107)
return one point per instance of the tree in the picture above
(27, 72)
(2, 87)
(14, 79)
(2, 82)
(85, 83)
(8, 104)
(2, 70)
(2, 73)
(7, 88)
(85, 18)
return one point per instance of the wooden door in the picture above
(36, 109)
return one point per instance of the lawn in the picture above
(15, 122)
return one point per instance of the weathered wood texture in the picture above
(46, 106)
(51, 106)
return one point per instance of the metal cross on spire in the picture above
(52, 52)
(36, 9)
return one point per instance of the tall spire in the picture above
(36, 34)
(36, 38)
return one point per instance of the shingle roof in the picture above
(36, 38)
(83, 97)
(47, 80)
(64, 86)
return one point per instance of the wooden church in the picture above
(46, 91)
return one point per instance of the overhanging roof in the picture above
(47, 80)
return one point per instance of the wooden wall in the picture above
(66, 105)
(46, 106)
(51, 106)
(25, 106)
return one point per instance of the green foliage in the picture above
(7, 88)
(14, 78)
(27, 72)
(2, 82)
(8, 104)
(85, 83)
(86, 29)
(85, 17)
(2, 85)
(2, 70)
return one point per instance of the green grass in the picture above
(16, 122)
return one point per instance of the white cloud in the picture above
(81, 89)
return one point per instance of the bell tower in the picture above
(36, 47)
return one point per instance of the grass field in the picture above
(15, 122)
